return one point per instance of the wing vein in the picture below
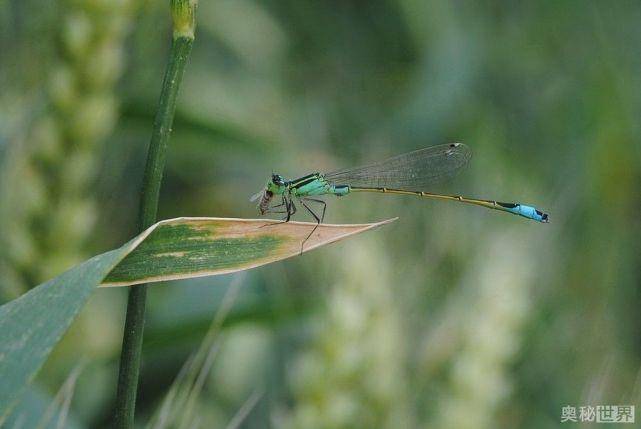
(412, 171)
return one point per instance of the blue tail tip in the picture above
(534, 213)
(545, 218)
(526, 211)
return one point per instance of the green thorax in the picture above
(307, 186)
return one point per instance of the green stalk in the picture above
(183, 37)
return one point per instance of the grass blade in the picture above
(179, 248)
(195, 247)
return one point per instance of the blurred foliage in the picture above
(494, 320)
(52, 164)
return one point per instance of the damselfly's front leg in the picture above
(288, 210)
(282, 204)
(275, 207)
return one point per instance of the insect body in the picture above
(408, 174)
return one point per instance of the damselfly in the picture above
(408, 174)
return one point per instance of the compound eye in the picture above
(277, 179)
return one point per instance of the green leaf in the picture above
(194, 247)
(31, 325)
(179, 248)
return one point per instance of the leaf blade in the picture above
(32, 324)
(196, 247)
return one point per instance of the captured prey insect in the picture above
(409, 174)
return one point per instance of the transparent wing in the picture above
(412, 171)
(257, 196)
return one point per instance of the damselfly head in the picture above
(278, 180)
(276, 185)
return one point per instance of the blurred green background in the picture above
(452, 317)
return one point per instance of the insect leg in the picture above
(279, 205)
(287, 210)
(322, 216)
(271, 209)
(318, 222)
(291, 208)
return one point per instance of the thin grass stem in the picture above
(183, 36)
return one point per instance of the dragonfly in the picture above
(412, 173)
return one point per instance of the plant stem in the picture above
(180, 49)
(183, 37)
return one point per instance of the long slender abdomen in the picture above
(513, 208)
